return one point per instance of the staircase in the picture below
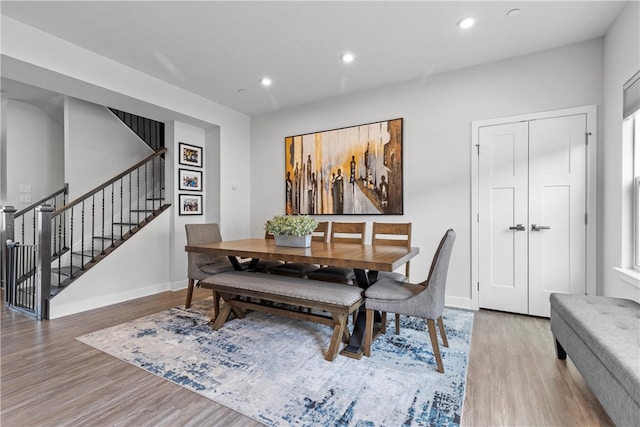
(58, 241)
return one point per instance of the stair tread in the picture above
(66, 270)
(88, 252)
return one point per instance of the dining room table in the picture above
(365, 259)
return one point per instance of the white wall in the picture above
(98, 146)
(33, 57)
(34, 153)
(3, 152)
(36, 58)
(437, 116)
(124, 274)
(181, 132)
(622, 60)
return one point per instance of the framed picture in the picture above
(190, 155)
(190, 180)
(190, 204)
(349, 171)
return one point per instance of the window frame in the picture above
(636, 191)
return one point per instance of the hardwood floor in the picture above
(50, 379)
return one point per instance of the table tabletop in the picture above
(351, 255)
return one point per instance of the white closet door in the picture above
(557, 208)
(503, 210)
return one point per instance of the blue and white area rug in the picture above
(272, 369)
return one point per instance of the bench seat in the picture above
(258, 291)
(601, 336)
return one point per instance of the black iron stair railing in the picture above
(73, 238)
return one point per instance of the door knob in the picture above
(536, 227)
(518, 227)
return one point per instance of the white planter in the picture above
(293, 241)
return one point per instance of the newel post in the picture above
(43, 261)
(7, 214)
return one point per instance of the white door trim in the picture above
(591, 112)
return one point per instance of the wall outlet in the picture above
(25, 198)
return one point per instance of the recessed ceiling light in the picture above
(466, 23)
(513, 12)
(266, 81)
(347, 57)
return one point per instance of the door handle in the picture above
(536, 227)
(518, 227)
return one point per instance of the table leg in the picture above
(354, 348)
(241, 267)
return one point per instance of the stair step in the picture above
(142, 210)
(125, 224)
(66, 271)
(63, 251)
(88, 253)
(111, 238)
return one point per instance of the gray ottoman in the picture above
(601, 335)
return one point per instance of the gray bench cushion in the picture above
(610, 328)
(304, 289)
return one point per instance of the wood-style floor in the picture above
(50, 379)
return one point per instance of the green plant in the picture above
(291, 225)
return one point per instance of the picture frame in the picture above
(357, 170)
(189, 180)
(190, 204)
(190, 155)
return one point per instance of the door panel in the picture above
(557, 183)
(503, 203)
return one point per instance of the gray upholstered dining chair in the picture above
(300, 269)
(201, 266)
(424, 300)
(393, 234)
(342, 232)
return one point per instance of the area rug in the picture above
(272, 369)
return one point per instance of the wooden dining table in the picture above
(366, 260)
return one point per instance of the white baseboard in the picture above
(60, 310)
(458, 302)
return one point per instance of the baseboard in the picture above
(459, 302)
(56, 311)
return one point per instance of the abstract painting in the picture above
(350, 171)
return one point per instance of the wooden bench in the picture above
(258, 291)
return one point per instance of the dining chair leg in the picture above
(397, 324)
(187, 303)
(431, 324)
(383, 322)
(443, 333)
(368, 333)
(216, 304)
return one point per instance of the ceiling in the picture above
(221, 49)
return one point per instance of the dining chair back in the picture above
(348, 232)
(299, 269)
(341, 232)
(200, 266)
(424, 300)
(392, 234)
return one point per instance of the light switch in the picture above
(25, 188)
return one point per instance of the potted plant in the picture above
(291, 230)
